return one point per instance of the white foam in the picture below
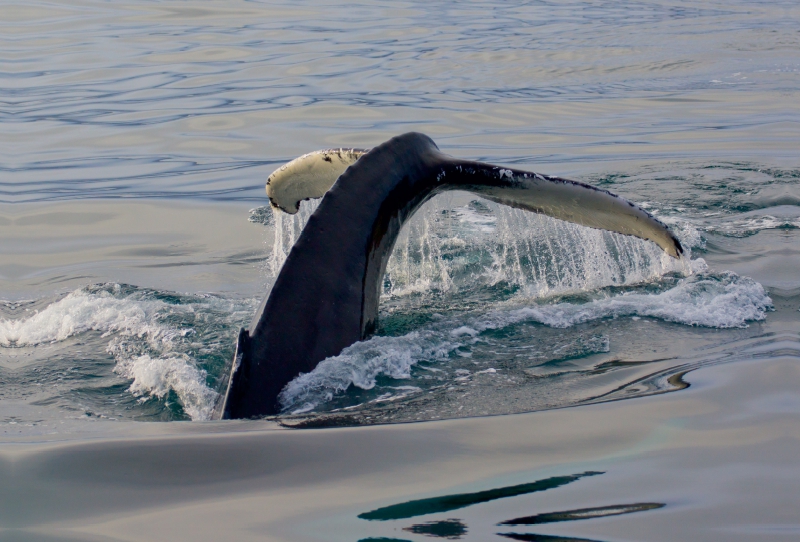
(464, 330)
(361, 364)
(155, 377)
(748, 223)
(742, 227)
(77, 313)
(136, 325)
(718, 301)
(724, 300)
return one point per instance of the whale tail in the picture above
(326, 295)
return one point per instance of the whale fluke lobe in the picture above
(326, 295)
(307, 177)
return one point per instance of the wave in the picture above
(151, 339)
(723, 300)
(155, 377)
(81, 311)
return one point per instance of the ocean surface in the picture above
(136, 240)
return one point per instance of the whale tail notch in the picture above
(326, 295)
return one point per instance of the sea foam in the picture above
(157, 376)
(146, 348)
(77, 313)
(721, 300)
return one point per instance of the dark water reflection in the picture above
(448, 503)
(454, 528)
(451, 529)
(526, 537)
(584, 513)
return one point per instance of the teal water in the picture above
(136, 139)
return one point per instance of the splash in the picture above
(455, 243)
(147, 340)
(718, 301)
(457, 246)
(287, 231)
(361, 364)
(448, 247)
(79, 312)
(155, 377)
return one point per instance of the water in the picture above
(134, 105)
(135, 140)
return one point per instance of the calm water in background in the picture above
(135, 139)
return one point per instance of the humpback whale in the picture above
(326, 295)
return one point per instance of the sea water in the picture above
(136, 240)
(129, 128)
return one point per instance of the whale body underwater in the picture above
(326, 295)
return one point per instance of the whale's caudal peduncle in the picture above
(326, 295)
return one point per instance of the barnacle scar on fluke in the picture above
(326, 295)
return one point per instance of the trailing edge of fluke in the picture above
(326, 295)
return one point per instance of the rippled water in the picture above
(136, 139)
(154, 99)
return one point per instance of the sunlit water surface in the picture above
(136, 139)
(135, 241)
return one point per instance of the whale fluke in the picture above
(308, 177)
(326, 295)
